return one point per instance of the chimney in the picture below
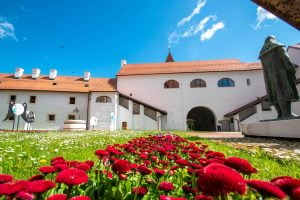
(123, 62)
(35, 73)
(19, 72)
(87, 76)
(53, 74)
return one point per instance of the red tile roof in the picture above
(187, 67)
(60, 84)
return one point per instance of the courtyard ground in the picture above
(281, 148)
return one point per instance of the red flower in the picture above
(140, 191)
(58, 197)
(72, 177)
(182, 162)
(58, 158)
(217, 179)
(164, 197)
(266, 188)
(90, 163)
(25, 196)
(47, 169)
(240, 165)
(36, 177)
(5, 178)
(166, 186)
(144, 155)
(159, 172)
(296, 193)
(203, 197)
(286, 183)
(144, 170)
(13, 187)
(40, 186)
(101, 153)
(61, 167)
(81, 198)
(210, 154)
(121, 166)
(83, 166)
(188, 189)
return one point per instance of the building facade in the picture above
(215, 95)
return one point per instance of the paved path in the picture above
(280, 148)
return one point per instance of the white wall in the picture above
(295, 58)
(179, 101)
(137, 121)
(102, 111)
(46, 103)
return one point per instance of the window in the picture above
(248, 82)
(51, 117)
(124, 102)
(13, 98)
(171, 84)
(265, 105)
(72, 100)
(150, 113)
(71, 117)
(136, 108)
(103, 99)
(197, 83)
(32, 99)
(226, 82)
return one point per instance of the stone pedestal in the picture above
(289, 128)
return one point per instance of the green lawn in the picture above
(21, 154)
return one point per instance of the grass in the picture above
(268, 165)
(21, 154)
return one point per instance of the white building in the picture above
(203, 95)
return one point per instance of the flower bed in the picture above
(162, 167)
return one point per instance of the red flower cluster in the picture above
(166, 186)
(121, 166)
(266, 189)
(240, 165)
(140, 191)
(72, 177)
(5, 178)
(217, 179)
(168, 162)
(40, 186)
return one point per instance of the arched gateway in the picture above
(201, 119)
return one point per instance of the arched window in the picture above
(171, 84)
(226, 82)
(197, 83)
(103, 99)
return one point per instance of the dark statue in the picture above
(280, 77)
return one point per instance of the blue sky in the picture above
(74, 36)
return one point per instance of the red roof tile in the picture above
(187, 67)
(60, 84)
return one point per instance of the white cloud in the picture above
(261, 16)
(196, 11)
(203, 22)
(174, 38)
(7, 30)
(209, 33)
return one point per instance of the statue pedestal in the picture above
(289, 128)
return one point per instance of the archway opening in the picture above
(201, 119)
